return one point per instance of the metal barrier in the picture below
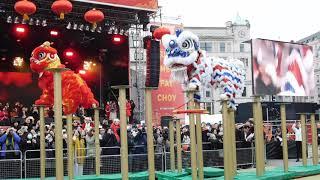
(11, 164)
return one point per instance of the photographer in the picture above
(10, 142)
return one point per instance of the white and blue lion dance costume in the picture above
(190, 66)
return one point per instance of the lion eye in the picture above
(187, 44)
(42, 55)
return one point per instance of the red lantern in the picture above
(61, 7)
(94, 16)
(25, 8)
(159, 32)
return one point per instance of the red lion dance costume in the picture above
(75, 91)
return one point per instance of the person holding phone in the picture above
(296, 127)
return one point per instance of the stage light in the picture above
(16, 20)
(69, 26)
(94, 64)
(44, 23)
(9, 19)
(87, 65)
(37, 22)
(69, 53)
(31, 22)
(3, 58)
(75, 26)
(81, 27)
(20, 30)
(82, 72)
(18, 61)
(54, 33)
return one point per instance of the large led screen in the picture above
(281, 68)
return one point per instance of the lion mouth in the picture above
(177, 66)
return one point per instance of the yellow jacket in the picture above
(80, 151)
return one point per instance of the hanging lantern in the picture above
(159, 32)
(25, 8)
(94, 16)
(61, 7)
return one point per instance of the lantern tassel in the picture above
(94, 25)
(61, 16)
(25, 17)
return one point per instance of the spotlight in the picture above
(16, 20)
(44, 23)
(87, 65)
(87, 28)
(75, 26)
(94, 64)
(18, 61)
(69, 53)
(54, 33)
(117, 39)
(99, 29)
(37, 22)
(31, 22)
(20, 30)
(82, 72)
(81, 27)
(69, 26)
(9, 19)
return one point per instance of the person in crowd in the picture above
(132, 105)
(80, 151)
(296, 127)
(109, 143)
(10, 142)
(107, 110)
(158, 140)
(89, 161)
(88, 124)
(115, 126)
(29, 122)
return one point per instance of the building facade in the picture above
(229, 42)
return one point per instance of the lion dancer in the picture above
(75, 91)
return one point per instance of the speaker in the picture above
(165, 121)
(152, 62)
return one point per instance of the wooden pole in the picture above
(199, 143)
(172, 154)
(42, 144)
(70, 146)
(259, 139)
(192, 136)
(284, 137)
(233, 141)
(58, 123)
(179, 151)
(315, 156)
(150, 145)
(123, 134)
(97, 139)
(304, 139)
(227, 159)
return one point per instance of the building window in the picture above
(222, 47)
(209, 108)
(244, 93)
(208, 94)
(245, 61)
(207, 46)
(241, 47)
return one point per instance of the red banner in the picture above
(169, 95)
(151, 5)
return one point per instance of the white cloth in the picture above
(297, 132)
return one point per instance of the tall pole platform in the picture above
(151, 165)
(227, 159)
(58, 120)
(315, 156)
(284, 137)
(179, 151)
(96, 139)
(42, 144)
(233, 141)
(70, 146)
(192, 136)
(259, 140)
(123, 132)
(199, 143)
(304, 139)
(172, 154)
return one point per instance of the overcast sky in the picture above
(272, 19)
